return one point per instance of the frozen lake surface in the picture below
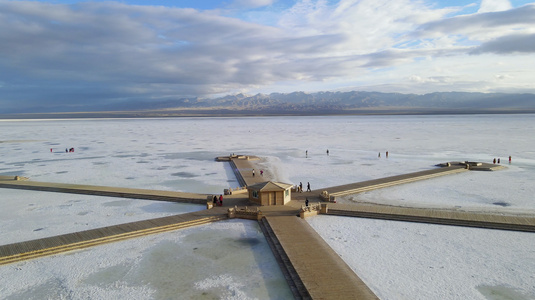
(425, 261)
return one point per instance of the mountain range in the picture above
(300, 103)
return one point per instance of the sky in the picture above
(74, 53)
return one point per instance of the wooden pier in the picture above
(11, 183)
(451, 217)
(78, 240)
(369, 185)
(312, 269)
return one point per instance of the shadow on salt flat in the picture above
(184, 174)
(164, 207)
(501, 292)
(117, 203)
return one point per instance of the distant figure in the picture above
(50, 150)
(308, 187)
(498, 160)
(253, 172)
(215, 200)
(327, 151)
(306, 202)
(379, 154)
(509, 158)
(66, 150)
(300, 187)
(494, 161)
(386, 154)
(220, 200)
(306, 153)
(261, 172)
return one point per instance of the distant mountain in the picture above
(301, 103)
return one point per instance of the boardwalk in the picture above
(243, 168)
(321, 273)
(369, 185)
(72, 241)
(435, 216)
(9, 182)
(312, 269)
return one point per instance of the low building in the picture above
(270, 193)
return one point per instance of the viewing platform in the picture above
(313, 270)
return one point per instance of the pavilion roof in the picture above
(270, 186)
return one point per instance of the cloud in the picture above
(494, 5)
(108, 52)
(519, 43)
(481, 25)
(251, 3)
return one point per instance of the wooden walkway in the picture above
(243, 169)
(435, 216)
(9, 182)
(73, 241)
(369, 185)
(312, 268)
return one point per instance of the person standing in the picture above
(327, 151)
(300, 187)
(306, 202)
(253, 172)
(308, 187)
(220, 200)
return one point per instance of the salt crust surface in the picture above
(177, 154)
(223, 260)
(401, 260)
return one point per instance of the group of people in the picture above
(299, 188)
(306, 153)
(385, 154)
(498, 161)
(218, 201)
(261, 173)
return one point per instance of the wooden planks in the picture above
(322, 272)
(369, 185)
(435, 216)
(103, 191)
(52, 245)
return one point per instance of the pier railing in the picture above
(250, 213)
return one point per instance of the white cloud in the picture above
(251, 3)
(494, 5)
(107, 51)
